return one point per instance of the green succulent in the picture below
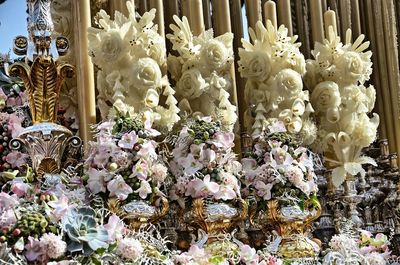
(84, 234)
(32, 223)
(202, 130)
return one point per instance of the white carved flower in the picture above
(325, 96)
(152, 98)
(351, 67)
(146, 74)
(214, 54)
(191, 84)
(112, 47)
(289, 83)
(254, 65)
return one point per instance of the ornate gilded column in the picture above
(45, 141)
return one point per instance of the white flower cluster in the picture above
(342, 102)
(130, 55)
(274, 66)
(202, 72)
(53, 245)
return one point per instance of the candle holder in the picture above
(45, 141)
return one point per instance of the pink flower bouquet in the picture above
(204, 164)
(124, 162)
(278, 168)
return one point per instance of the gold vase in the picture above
(137, 213)
(292, 224)
(216, 217)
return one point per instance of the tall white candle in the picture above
(270, 13)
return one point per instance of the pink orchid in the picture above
(115, 228)
(225, 193)
(103, 154)
(128, 140)
(207, 156)
(223, 140)
(19, 188)
(140, 169)
(144, 189)
(119, 188)
(60, 208)
(248, 254)
(264, 190)
(149, 130)
(16, 158)
(14, 124)
(7, 218)
(190, 164)
(148, 149)
(33, 250)
(277, 127)
(7, 201)
(96, 181)
(204, 187)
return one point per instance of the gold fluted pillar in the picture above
(117, 5)
(84, 71)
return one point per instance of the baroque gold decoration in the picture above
(292, 224)
(216, 218)
(45, 141)
(138, 213)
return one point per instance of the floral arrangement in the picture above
(362, 249)
(202, 72)
(336, 77)
(273, 66)
(124, 162)
(14, 115)
(278, 168)
(131, 56)
(204, 164)
(244, 255)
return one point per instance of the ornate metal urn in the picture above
(138, 213)
(45, 141)
(292, 224)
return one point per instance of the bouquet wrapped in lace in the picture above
(273, 66)
(202, 72)
(204, 163)
(131, 57)
(336, 76)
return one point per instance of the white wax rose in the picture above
(325, 96)
(112, 47)
(289, 83)
(255, 65)
(157, 52)
(214, 54)
(152, 98)
(364, 132)
(146, 74)
(191, 84)
(351, 67)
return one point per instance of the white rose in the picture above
(351, 67)
(255, 65)
(214, 54)
(325, 96)
(157, 52)
(191, 84)
(146, 74)
(112, 48)
(289, 82)
(364, 132)
(152, 98)
(174, 67)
